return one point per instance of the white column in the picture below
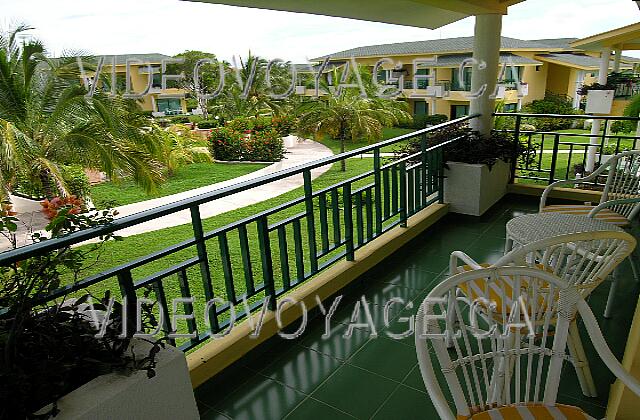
(595, 127)
(616, 59)
(486, 49)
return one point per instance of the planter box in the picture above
(168, 395)
(599, 101)
(473, 188)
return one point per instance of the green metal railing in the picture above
(269, 253)
(557, 153)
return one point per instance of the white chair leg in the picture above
(581, 362)
(612, 292)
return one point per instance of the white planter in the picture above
(301, 90)
(599, 101)
(473, 188)
(168, 395)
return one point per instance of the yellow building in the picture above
(528, 69)
(159, 101)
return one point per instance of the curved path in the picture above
(299, 151)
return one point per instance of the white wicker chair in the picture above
(506, 361)
(620, 201)
(583, 260)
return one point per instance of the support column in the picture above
(616, 59)
(486, 50)
(595, 127)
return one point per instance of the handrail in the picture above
(576, 116)
(39, 248)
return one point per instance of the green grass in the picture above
(115, 253)
(562, 161)
(188, 177)
(387, 133)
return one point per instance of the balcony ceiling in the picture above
(624, 38)
(429, 14)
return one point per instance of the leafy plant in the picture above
(48, 121)
(471, 147)
(584, 89)
(424, 121)
(551, 104)
(48, 349)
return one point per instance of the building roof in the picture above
(433, 46)
(562, 43)
(624, 38)
(454, 60)
(121, 59)
(578, 60)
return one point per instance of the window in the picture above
(422, 83)
(510, 107)
(420, 108)
(465, 83)
(169, 105)
(458, 111)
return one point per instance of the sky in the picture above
(172, 26)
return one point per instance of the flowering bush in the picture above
(283, 124)
(53, 207)
(239, 124)
(264, 146)
(225, 144)
(248, 145)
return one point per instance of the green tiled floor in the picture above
(376, 377)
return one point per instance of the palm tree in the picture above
(47, 120)
(247, 93)
(349, 115)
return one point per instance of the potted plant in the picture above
(477, 168)
(599, 97)
(54, 361)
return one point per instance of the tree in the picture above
(208, 75)
(247, 91)
(47, 120)
(349, 115)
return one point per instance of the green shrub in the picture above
(207, 124)
(77, 180)
(283, 124)
(179, 119)
(423, 121)
(551, 104)
(262, 124)
(225, 144)
(263, 146)
(256, 146)
(240, 124)
(195, 118)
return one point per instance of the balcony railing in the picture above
(626, 89)
(265, 255)
(560, 155)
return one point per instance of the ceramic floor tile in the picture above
(260, 398)
(355, 391)
(312, 409)
(385, 357)
(406, 403)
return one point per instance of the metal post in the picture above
(205, 272)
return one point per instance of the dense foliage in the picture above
(48, 349)
(471, 147)
(551, 104)
(47, 120)
(350, 115)
(250, 139)
(423, 121)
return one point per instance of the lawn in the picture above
(387, 133)
(188, 177)
(116, 253)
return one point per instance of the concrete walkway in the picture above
(298, 152)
